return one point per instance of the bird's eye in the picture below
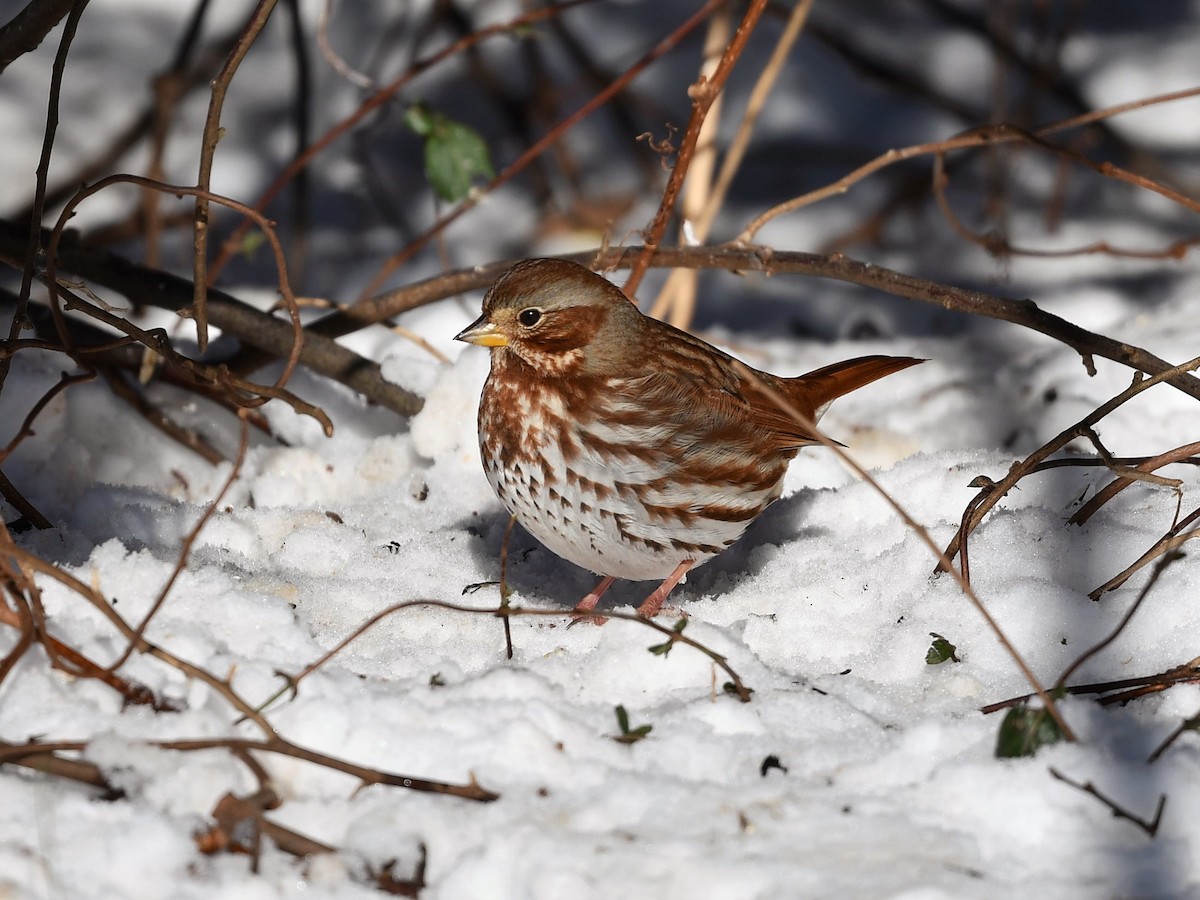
(529, 317)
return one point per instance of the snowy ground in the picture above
(887, 784)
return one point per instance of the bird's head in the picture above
(557, 316)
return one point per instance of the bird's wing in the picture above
(716, 407)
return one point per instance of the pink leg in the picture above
(588, 603)
(652, 604)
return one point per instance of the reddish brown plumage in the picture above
(626, 445)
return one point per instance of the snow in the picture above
(887, 783)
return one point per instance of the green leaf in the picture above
(632, 737)
(455, 155)
(629, 735)
(661, 649)
(1024, 730)
(251, 242)
(420, 119)
(940, 651)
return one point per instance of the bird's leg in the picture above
(652, 604)
(588, 603)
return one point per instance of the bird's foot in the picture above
(583, 609)
(653, 604)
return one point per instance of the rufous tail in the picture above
(819, 388)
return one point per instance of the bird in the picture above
(628, 446)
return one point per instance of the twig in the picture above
(758, 98)
(683, 281)
(1168, 543)
(185, 549)
(704, 94)
(208, 148)
(32, 254)
(1128, 477)
(158, 419)
(505, 590)
(964, 559)
(73, 769)
(504, 611)
(677, 298)
(335, 60)
(26, 430)
(233, 816)
(992, 134)
(302, 118)
(10, 753)
(1189, 724)
(19, 616)
(1127, 688)
(997, 245)
(1150, 826)
(21, 504)
(1121, 625)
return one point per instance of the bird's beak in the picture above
(483, 333)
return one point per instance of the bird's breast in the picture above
(619, 489)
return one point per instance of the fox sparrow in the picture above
(623, 444)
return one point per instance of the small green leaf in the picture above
(1024, 730)
(680, 625)
(940, 651)
(632, 737)
(251, 242)
(420, 119)
(455, 154)
(661, 649)
(629, 735)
